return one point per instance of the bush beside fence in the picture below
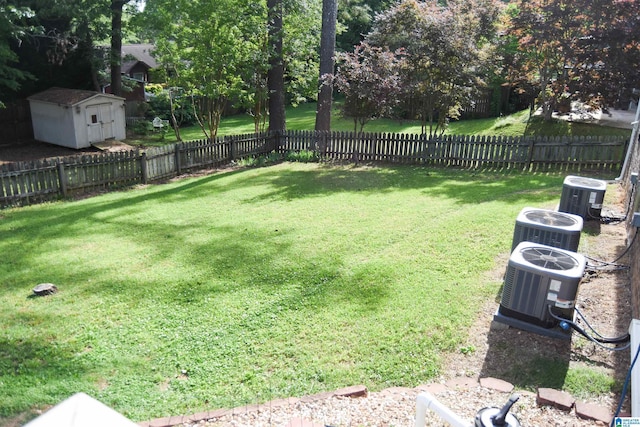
(24, 183)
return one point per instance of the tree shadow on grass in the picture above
(249, 260)
(30, 366)
(525, 359)
(467, 187)
(464, 186)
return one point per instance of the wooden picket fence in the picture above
(526, 153)
(23, 183)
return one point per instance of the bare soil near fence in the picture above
(36, 150)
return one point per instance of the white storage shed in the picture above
(77, 118)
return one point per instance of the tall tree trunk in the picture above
(275, 75)
(327, 50)
(116, 46)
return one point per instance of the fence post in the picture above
(315, 143)
(448, 149)
(532, 143)
(178, 168)
(62, 178)
(232, 148)
(143, 167)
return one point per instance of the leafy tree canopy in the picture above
(13, 30)
(55, 43)
(448, 54)
(355, 18)
(209, 46)
(369, 79)
(586, 50)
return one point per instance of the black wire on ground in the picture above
(628, 247)
(614, 262)
(608, 219)
(600, 341)
(596, 340)
(605, 266)
(622, 338)
(627, 211)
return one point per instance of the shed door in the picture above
(99, 122)
(107, 121)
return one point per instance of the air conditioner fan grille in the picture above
(585, 182)
(550, 218)
(549, 258)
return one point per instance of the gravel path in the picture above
(394, 407)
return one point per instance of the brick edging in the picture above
(544, 397)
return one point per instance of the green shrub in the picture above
(303, 156)
(261, 160)
(159, 106)
(143, 127)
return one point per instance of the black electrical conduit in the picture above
(613, 263)
(617, 219)
(565, 324)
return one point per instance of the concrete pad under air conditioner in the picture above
(557, 333)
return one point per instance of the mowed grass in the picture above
(250, 285)
(302, 117)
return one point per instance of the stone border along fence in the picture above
(24, 183)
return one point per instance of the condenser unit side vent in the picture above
(539, 276)
(582, 196)
(524, 296)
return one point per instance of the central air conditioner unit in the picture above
(557, 229)
(538, 277)
(582, 196)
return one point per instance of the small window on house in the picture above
(94, 118)
(138, 76)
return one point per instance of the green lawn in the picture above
(250, 285)
(303, 118)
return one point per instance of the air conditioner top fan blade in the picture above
(549, 258)
(582, 182)
(552, 218)
(554, 261)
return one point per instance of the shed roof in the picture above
(67, 97)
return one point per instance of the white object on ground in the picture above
(81, 410)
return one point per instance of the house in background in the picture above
(77, 118)
(137, 61)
